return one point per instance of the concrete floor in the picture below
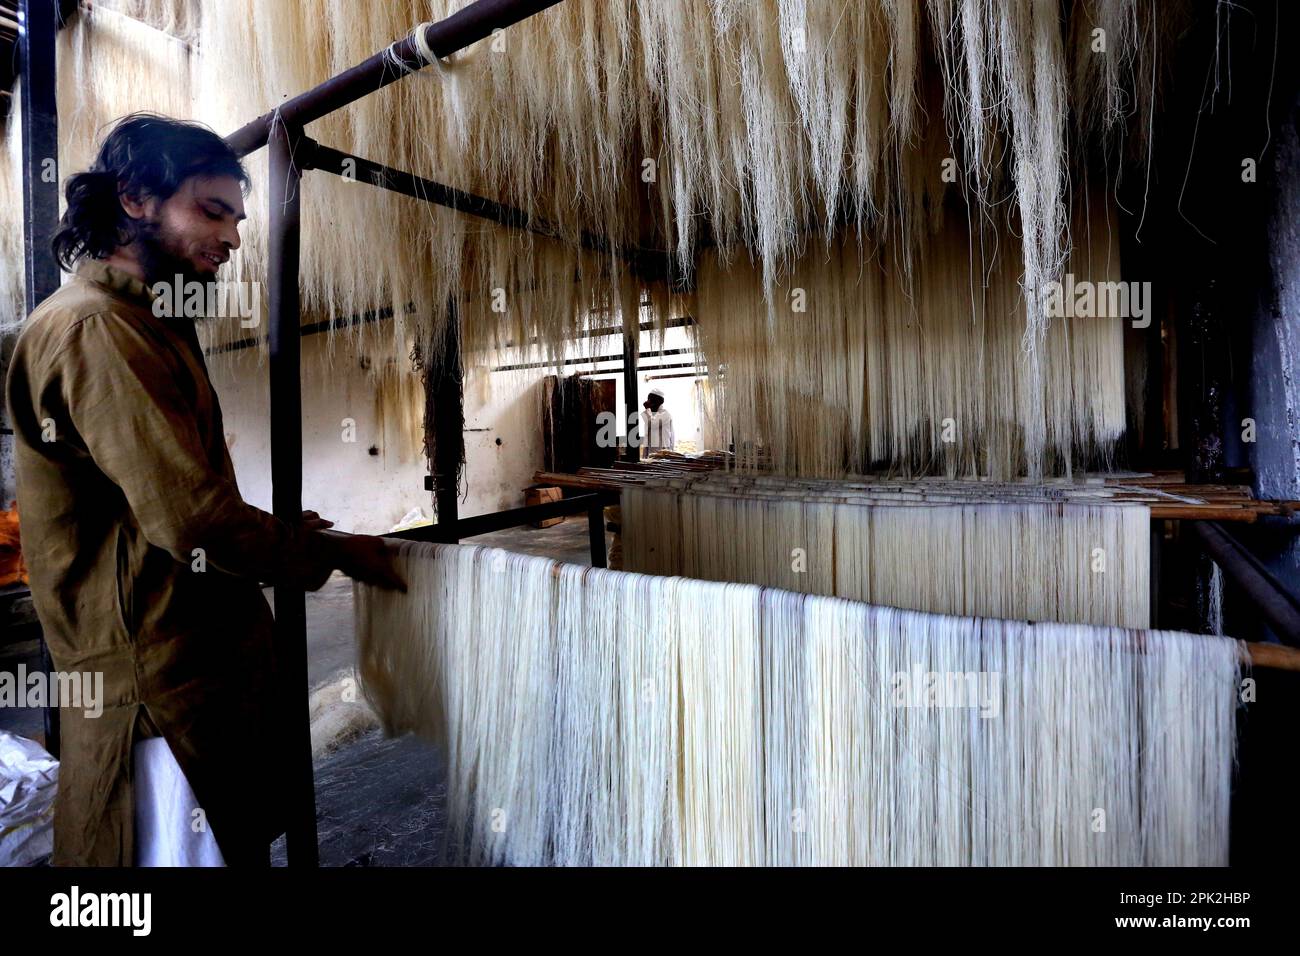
(379, 802)
(567, 541)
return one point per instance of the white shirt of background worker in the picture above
(657, 429)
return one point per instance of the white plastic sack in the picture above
(412, 519)
(29, 778)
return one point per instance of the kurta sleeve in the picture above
(670, 437)
(127, 408)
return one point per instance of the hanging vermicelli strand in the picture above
(601, 717)
(859, 365)
(759, 126)
(856, 311)
(1058, 552)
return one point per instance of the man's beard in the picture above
(158, 258)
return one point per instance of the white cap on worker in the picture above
(655, 391)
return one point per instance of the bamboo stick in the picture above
(1271, 656)
(1189, 512)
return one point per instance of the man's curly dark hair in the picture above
(144, 156)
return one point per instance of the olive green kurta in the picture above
(123, 472)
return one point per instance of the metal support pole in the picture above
(1157, 550)
(596, 531)
(1269, 599)
(38, 25)
(631, 393)
(446, 412)
(40, 146)
(286, 483)
(475, 525)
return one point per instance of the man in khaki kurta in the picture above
(145, 562)
(123, 473)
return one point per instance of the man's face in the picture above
(193, 232)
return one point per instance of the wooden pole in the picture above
(1271, 656)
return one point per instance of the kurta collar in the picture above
(115, 280)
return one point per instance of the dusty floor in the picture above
(378, 802)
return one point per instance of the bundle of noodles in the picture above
(949, 548)
(743, 128)
(594, 717)
(857, 367)
(666, 123)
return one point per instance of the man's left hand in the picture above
(311, 521)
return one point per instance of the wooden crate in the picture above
(537, 496)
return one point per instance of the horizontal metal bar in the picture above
(591, 360)
(612, 330)
(513, 518)
(444, 38)
(359, 169)
(594, 372)
(656, 378)
(313, 328)
(649, 263)
(378, 315)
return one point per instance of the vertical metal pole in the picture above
(37, 26)
(596, 532)
(448, 418)
(631, 393)
(40, 123)
(1157, 549)
(286, 483)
